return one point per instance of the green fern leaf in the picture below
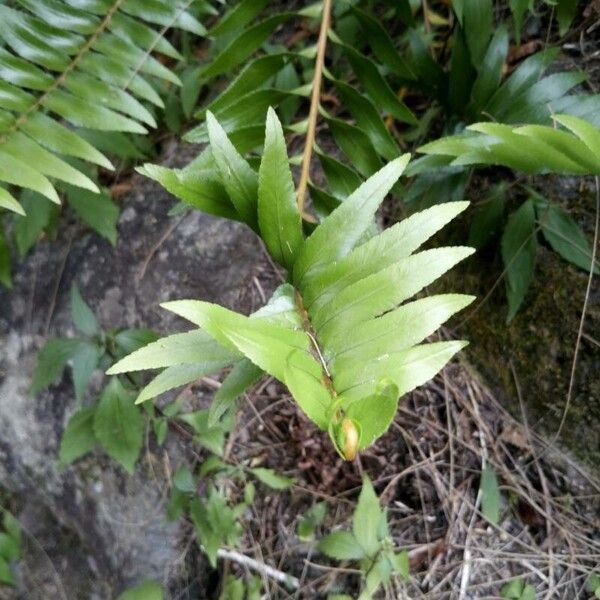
(88, 64)
(529, 148)
(341, 337)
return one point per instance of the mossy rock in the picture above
(532, 356)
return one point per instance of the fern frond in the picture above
(66, 65)
(340, 334)
(574, 150)
(369, 71)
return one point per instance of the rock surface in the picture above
(100, 529)
(535, 351)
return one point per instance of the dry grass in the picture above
(426, 470)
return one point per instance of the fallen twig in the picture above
(287, 580)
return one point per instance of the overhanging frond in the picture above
(65, 65)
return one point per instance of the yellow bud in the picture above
(349, 439)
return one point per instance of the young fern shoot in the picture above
(341, 333)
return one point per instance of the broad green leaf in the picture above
(202, 190)
(513, 589)
(215, 523)
(367, 518)
(565, 144)
(178, 375)
(304, 378)
(265, 344)
(380, 251)
(242, 46)
(279, 220)
(478, 22)
(565, 236)
(429, 72)
(10, 203)
(98, 211)
(341, 545)
(81, 313)
(490, 74)
(272, 479)
(12, 527)
(565, 13)
(9, 548)
(374, 413)
(461, 75)
(518, 254)
(342, 180)
(394, 331)
(383, 290)
(85, 361)
(459, 9)
(184, 480)
(18, 172)
(382, 44)
(490, 495)
(519, 8)
(522, 79)
(408, 369)
(58, 138)
(161, 430)
(28, 228)
(6, 575)
(356, 145)
(593, 584)
(212, 438)
(520, 144)
(243, 119)
(532, 148)
(51, 361)
(537, 103)
(344, 227)
(237, 17)
(238, 178)
(588, 134)
(529, 593)
(19, 145)
(375, 85)
(233, 589)
(180, 349)
(129, 340)
(252, 76)
(402, 564)
(488, 217)
(240, 378)
(369, 120)
(323, 203)
(118, 425)
(78, 438)
(313, 517)
(147, 590)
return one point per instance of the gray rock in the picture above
(108, 529)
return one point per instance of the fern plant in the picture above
(573, 149)
(78, 81)
(87, 64)
(338, 333)
(378, 55)
(369, 543)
